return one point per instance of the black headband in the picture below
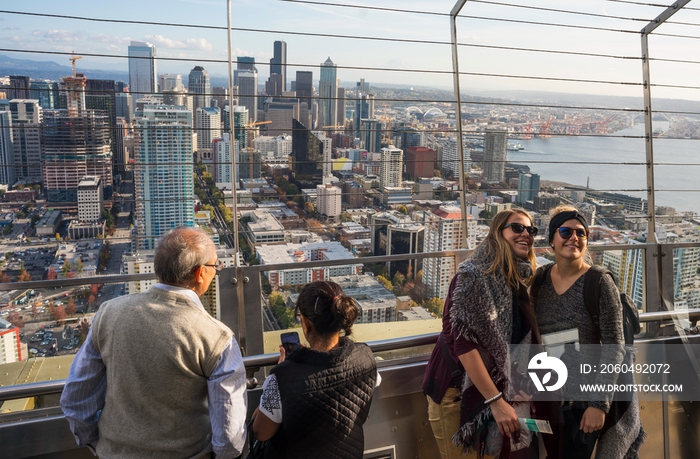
(562, 217)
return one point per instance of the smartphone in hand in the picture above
(290, 341)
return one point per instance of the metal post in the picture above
(232, 138)
(458, 114)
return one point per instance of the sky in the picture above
(414, 64)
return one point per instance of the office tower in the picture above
(170, 82)
(409, 137)
(75, 145)
(328, 95)
(245, 63)
(494, 155)
(221, 149)
(119, 151)
(528, 187)
(142, 69)
(176, 97)
(199, 87)
(71, 93)
(208, 122)
(248, 164)
(240, 122)
(273, 85)
(27, 116)
(280, 112)
(307, 154)
(19, 87)
(278, 63)
(405, 238)
(327, 145)
(101, 95)
(46, 92)
(450, 160)
(364, 109)
(124, 106)
(248, 92)
(220, 96)
(329, 203)
(7, 160)
(305, 85)
(371, 135)
(443, 231)
(420, 162)
(340, 121)
(163, 172)
(90, 199)
(391, 167)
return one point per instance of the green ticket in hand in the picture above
(535, 425)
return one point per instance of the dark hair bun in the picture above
(328, 309)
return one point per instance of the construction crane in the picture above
(72, 59)
(250, 126)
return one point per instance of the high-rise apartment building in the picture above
(495, 144)
(328, 95)
(420, 162)
(528, 187)
(450, 159)
(208, 122)
(163, 172)
(443, 231)
(46, 92)
(278, 64)
(329, 202)
(124, 104)
(142, 69)
(240, 119)
(199, 87)
(248, 92)
(75, 144)
(7, 160)
(27, 116)
(391, 167)
(371, 135)
(221, 151)
(340, 121)
(248, 164)
(19, 87)
(90, 199)
(170, 82)
(120, 154)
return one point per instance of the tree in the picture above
(403, 209)
(398, 280)
(70, 306)
(5, 278)
(276, 300)
(434, 305)
(67, 266)
(309, 207)
(345, 217)
(15, 319)
(91, 300)
(59, 314)
(24, 276)
(385, 282)
(79, 266)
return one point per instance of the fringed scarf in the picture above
(482, 312)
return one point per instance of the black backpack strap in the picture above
(591, 294)
(536, 285)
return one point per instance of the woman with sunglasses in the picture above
(467, 381)
(558, 298)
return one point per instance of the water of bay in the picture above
(616, 164)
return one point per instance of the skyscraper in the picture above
(19, 87)
(495, 144)
(528, 187)
(142, 69)
(27, 116)
(278, 64)
(163, 178)
(248, 91)
(208, 122)
(307, 154)
(75, 144)
(221, 151)
(305, 92)
(169, 82)
(328, 94)
(7, 161)
(199, 87)
(391, 167)
(450, 159)
(46, 92)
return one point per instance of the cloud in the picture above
(188, 43)
(11, 28)
(61, 36)
(106, 38)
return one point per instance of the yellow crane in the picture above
(72, 59)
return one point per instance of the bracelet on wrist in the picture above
(496, 397)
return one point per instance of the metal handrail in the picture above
(257, 361)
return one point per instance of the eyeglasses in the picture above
(518, 228)
(218, 266)
(565, 232)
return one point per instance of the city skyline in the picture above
(484, 31)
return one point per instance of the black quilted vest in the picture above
(325, 401)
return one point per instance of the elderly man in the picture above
(158, 377)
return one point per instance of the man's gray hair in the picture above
(179, 252)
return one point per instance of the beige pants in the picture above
(444, 419)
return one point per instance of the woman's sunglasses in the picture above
(518, 228)
(565, 232)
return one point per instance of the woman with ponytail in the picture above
(317, 398)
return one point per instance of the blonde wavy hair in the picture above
(503, 259)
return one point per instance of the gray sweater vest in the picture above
(159, 349)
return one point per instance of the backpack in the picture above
(591, 298)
